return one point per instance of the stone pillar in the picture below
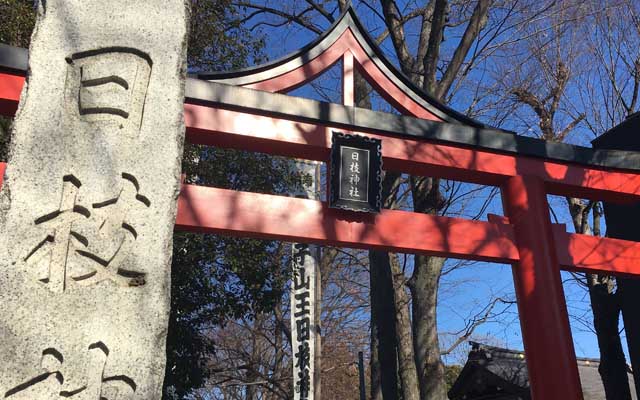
(89, 203)
(306, 303)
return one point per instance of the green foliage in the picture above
(5, 129)
(233, 44)
(215, 278)
(451, 373)
(18, 18)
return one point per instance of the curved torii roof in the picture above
(345, 39)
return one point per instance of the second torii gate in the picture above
(245, 110)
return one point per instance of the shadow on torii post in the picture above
(245, 110)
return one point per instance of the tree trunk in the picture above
(606, 310)
(622, 224)
(629, 292)
(404, 338)
(384, 359)
(374, 364)
(424, 292)
(384, 364)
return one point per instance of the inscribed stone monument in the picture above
(303, 319)
(304, 293)
(89, 201)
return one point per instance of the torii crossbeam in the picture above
(246, 110)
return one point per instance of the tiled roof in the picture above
(494, 373)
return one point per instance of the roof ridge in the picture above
(494, 351)
(348, 19)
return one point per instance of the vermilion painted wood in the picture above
(348, 79)
(286, 218)
(386, 88)
(10, 88)
(212, 126)
(266, 216)
(347, 42)
(295, 78)
(575, 252)
(551, 359)
(3, 166)
(593, 254)
(235, 129)
(529, 242)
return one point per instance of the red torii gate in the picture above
(243, 110)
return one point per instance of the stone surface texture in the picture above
(89, 202)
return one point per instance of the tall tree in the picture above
(616, 67)
(557, 46)
(438, 63)
(218, 279)
(215, 278)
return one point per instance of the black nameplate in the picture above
(356, 173)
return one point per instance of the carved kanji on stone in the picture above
(88, 245)
(109, 86)
(89, 203)
(51, 379)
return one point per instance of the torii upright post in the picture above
(553, 372)
(236, 110)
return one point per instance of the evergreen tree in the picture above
(214, 278)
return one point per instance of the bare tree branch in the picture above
(563, 133)
(396, 30)
(297, 18)
(476, 24)
(321, 10)
(430, 60)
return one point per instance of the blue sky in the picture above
(465, 290)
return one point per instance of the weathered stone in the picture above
(89, 201)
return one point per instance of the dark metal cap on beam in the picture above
(348, 20)
(300, 109)
(15, 60)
